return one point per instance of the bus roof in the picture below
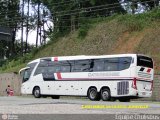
(81, 57)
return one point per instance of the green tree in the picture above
(10, 18)
(67, 14)
(149, 5)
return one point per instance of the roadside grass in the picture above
(140, 21)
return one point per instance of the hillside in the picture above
(118, 34)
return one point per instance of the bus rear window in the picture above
(144, 61)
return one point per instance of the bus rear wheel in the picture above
(37, 92)
(93, 94)
(105, 94)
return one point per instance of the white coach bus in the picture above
(106, 77)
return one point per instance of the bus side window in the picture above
(82, 66)
(48, 73)
(98, 65)
(111, 64)
(65, 68)
(124, 63)
(39, 70)
(56, 68)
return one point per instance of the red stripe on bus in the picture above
(55, 58)
(149, 70)
(59, 76)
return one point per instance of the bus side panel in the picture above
(80, 88)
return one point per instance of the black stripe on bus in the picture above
(141, 69)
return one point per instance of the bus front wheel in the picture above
(93, 94)
(37, 92)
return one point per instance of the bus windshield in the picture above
(26, 73)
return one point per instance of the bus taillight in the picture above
(134, 83)
(151, 85)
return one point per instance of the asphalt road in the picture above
(27, 108)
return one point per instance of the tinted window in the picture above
(32, 65)
(98, 65)
(82, 66)
(47, 69)
(26, 75)
(111, 64)
(124, 63)
(65, 68)
(144, 61)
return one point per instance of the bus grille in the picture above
(123, 88)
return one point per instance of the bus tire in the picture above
(55, 96)
(93, 94)
(37, 92)
(105, 94)
(124, 99)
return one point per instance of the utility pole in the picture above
(10, 26)
(43, 22)
(27, 27)
(38, 23)
(22, 28)
(40, 35)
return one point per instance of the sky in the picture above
(31, 35)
